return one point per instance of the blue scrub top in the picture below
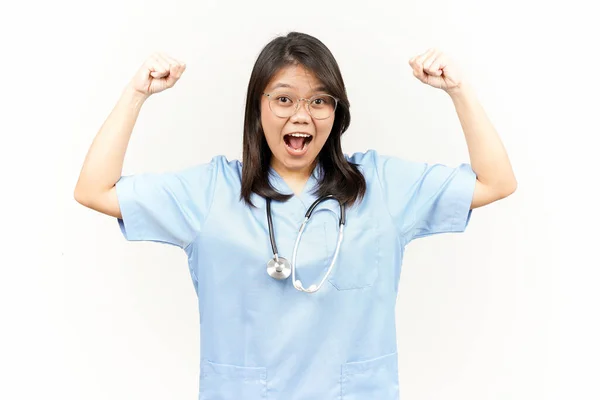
(260, 337)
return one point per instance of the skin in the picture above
(103, 164)
(295, 170)
(488, 157)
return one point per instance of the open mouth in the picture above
(297, 142)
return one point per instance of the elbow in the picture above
(83, 195)
(508, 188)
(79, 196)
(512, 187)
(501, 189)
(104, 202)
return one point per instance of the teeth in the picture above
(304, 135)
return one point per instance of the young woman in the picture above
(296, 295)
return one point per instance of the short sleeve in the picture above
(426, 199)
(166, 207)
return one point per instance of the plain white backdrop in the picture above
(506, 310)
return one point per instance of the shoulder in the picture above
(371, 158)
(218, 167)
(372, 161)
(213, 176)
(360, 158)
(383, 167)
(367, 163)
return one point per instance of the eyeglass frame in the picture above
(307, 105)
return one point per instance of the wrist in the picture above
(462, 90)
(134, 96)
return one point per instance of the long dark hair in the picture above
(338, 176)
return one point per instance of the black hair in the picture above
(338, 177)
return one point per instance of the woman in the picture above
(282, 318)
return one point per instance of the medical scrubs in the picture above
(260, 337)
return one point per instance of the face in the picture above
(293, 153)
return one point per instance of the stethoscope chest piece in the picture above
(279, 268)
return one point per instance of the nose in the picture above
(302, 114)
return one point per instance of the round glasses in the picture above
(320, 106)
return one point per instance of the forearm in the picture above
(488, 156)
(104, 161)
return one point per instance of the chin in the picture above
(297, 164)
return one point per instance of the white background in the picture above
(506, 310)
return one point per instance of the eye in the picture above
(321, 101)
(284, 99)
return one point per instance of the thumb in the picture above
(435, 81)
(158, 75)
(175, 73)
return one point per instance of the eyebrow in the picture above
(320, 88)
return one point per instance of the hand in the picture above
(435, 69)
(159, 72)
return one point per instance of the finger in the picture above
(413, 61)
(418, 57)
(417, 65)
(418, 69)
(177, 67)
(428, 55)
(178, 71)
(442, 61)
(435, 81)
(175, 74)
(171, 60)
(162, 57)
(157, 71)
(423, 57)
(437, 68)
(430, 66)
(159, 68)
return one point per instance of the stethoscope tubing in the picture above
(296, 282)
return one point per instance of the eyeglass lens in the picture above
(320, 106)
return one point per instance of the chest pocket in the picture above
(357, 265)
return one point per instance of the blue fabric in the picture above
(261, 338)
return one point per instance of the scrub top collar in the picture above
(302, 201)
(279, 183)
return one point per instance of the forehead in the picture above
(296, 78)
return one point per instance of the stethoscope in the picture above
(280, 268)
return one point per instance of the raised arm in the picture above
(489, 160)
(103, 164)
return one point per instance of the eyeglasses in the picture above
(320, 106)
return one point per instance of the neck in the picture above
(295, 179)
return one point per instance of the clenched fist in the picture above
(159, 72)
